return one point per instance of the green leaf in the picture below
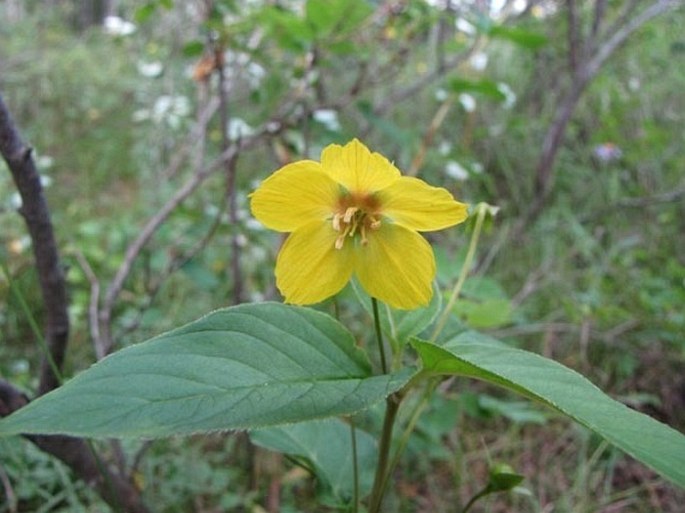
(522, 37)
(325, 448)
(143, 13)
(244, 367)
(193, 48)
(653, 443)
(484, 87)
(336, 16)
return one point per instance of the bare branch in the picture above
(573, 35)
(35, 211)
(93, 323)
(621, 34)
(153, 225)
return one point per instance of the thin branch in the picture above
(568, 102)
(230, 170)
(35, 211)
(396, 97)
(573, 34)
(621, 34)
(154, 224)
(93, 323)
(597, 20)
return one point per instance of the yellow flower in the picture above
(354, 214)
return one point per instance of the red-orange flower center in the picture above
(356, 214)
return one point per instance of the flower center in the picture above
(355, 216)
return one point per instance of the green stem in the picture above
(411, 424)
(379, 335)
(381, 477)
(355, 465)
(475, 498)
(481, 211)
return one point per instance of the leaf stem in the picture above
(481, 211)
(381, 478)
(379, 334)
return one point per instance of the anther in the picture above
(349, 213)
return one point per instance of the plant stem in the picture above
(411, 424)
(475, 498)
(381, 478)
(32, 323)
(379, 335)
(481, 211)
(355, 465)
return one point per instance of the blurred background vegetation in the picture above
(127, 102)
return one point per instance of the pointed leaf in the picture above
(243, 367)
(563, 389)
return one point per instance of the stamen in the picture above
(336, 222)
(375, 223)
(349, 213)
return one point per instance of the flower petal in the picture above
(357, 169)
(397, 266)
(418, 206)
(293, 196)
(309, 268)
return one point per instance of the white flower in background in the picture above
(465, 26)
(455, 170)
(45, 181)
(479, 61)
(634, 84)
(238, 128)
(468, 102)
(444, 148)
(477, 168)
(441, 95)
(116, 26)
(253, 224)
(44, 161)
(150, 69)
(255, 74)
(15, 201)
(328, 118)
(509, 94)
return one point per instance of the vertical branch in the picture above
(568, 101)
(230, 169)
(35, 211)
(117, 491)
(573, 34)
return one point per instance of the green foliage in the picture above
(562, 389)
(325, 447)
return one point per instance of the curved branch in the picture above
(35, 211)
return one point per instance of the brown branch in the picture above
(153, 224)
(35, 211)
(75, 452)
(81, 458)
(568, 102)
(573, 34)
(231, 172)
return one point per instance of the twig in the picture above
(92, 304)
(230, 170)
